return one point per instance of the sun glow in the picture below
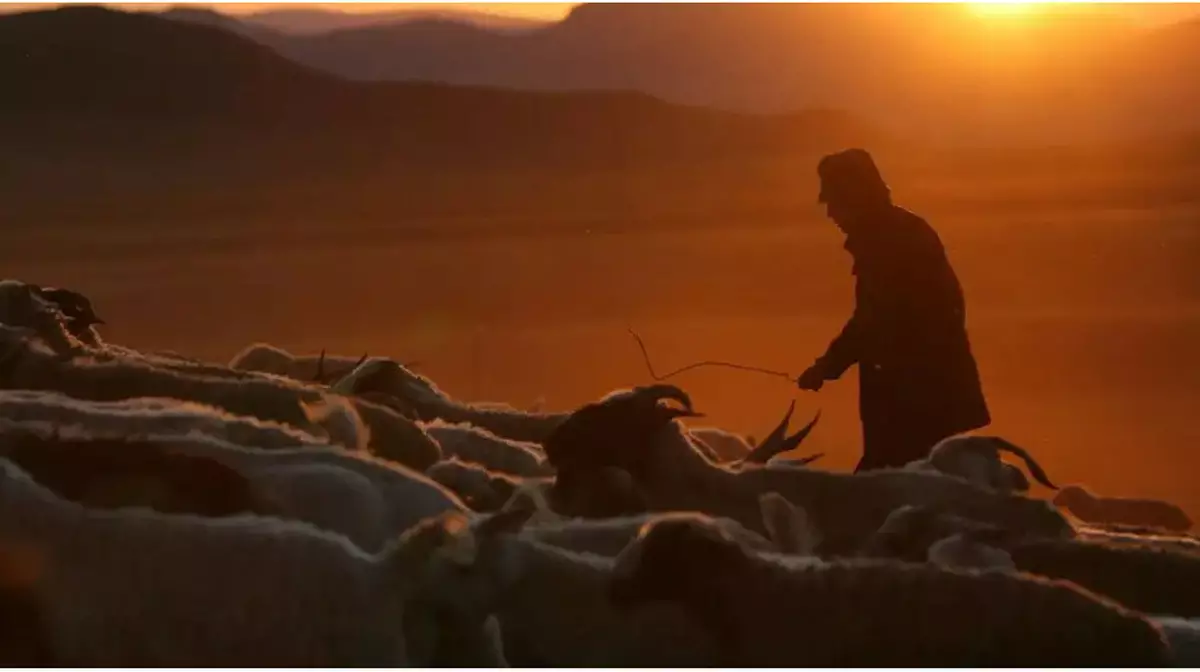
(1003, 8)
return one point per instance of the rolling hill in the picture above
(106, 103)
(934, 70)
(92, 63)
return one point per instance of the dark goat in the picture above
(632, 432)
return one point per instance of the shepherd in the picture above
(918, 381)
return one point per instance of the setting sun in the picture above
(1002, 7)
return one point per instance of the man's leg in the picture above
(896, 445)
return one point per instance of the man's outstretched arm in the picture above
(842, 353)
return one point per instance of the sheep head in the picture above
(382, 375)
(1013, 479)
(789, 526)
(22, 305)
(323, 377)
(462, 565)
(963, 551)
(77, 307)
(778, 442)
(910, 532)
(445, 568)
(676, 559)
(603, 449)
(479, 489)
(616, 431)
(1076, 499)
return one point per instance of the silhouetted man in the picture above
(917, 377)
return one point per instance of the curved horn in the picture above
(319, 376)
(1035, 469)
(666, 413)
(771, 445)
(664, 391)
(341, 375)
(794, 441)
(355, 365)
(808, 459)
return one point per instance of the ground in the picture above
(1084, 312)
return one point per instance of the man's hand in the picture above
(812, 379)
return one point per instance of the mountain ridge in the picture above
(1066, 76)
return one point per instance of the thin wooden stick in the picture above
(697, 365)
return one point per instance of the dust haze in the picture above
(1084, 306)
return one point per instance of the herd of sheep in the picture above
(333, 511)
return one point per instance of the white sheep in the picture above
(366, 499)
(481, 489)
(1094, 509)
(1139, 536)
(552, 602)
(874, 614)
(142, 589)
(959, 551)
(381, 375)
(27, 364)
(351, 423)
(788, 526)
(267, 358)
(474, 444)
(976, 459)
(1148, 577)
(157, 416)
(65, 320)
(1183, 635)
(120, 472)
(609, 492)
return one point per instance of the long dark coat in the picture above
(917, 377)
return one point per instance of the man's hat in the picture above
(851, 173)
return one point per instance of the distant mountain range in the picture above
(936, 70)
(312, 21)
(109, 103)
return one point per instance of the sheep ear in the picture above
(788, 525)
(319, 376)
(449, 533)
(509, 520)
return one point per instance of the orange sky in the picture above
(1143, 12)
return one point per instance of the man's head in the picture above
(851, 185)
